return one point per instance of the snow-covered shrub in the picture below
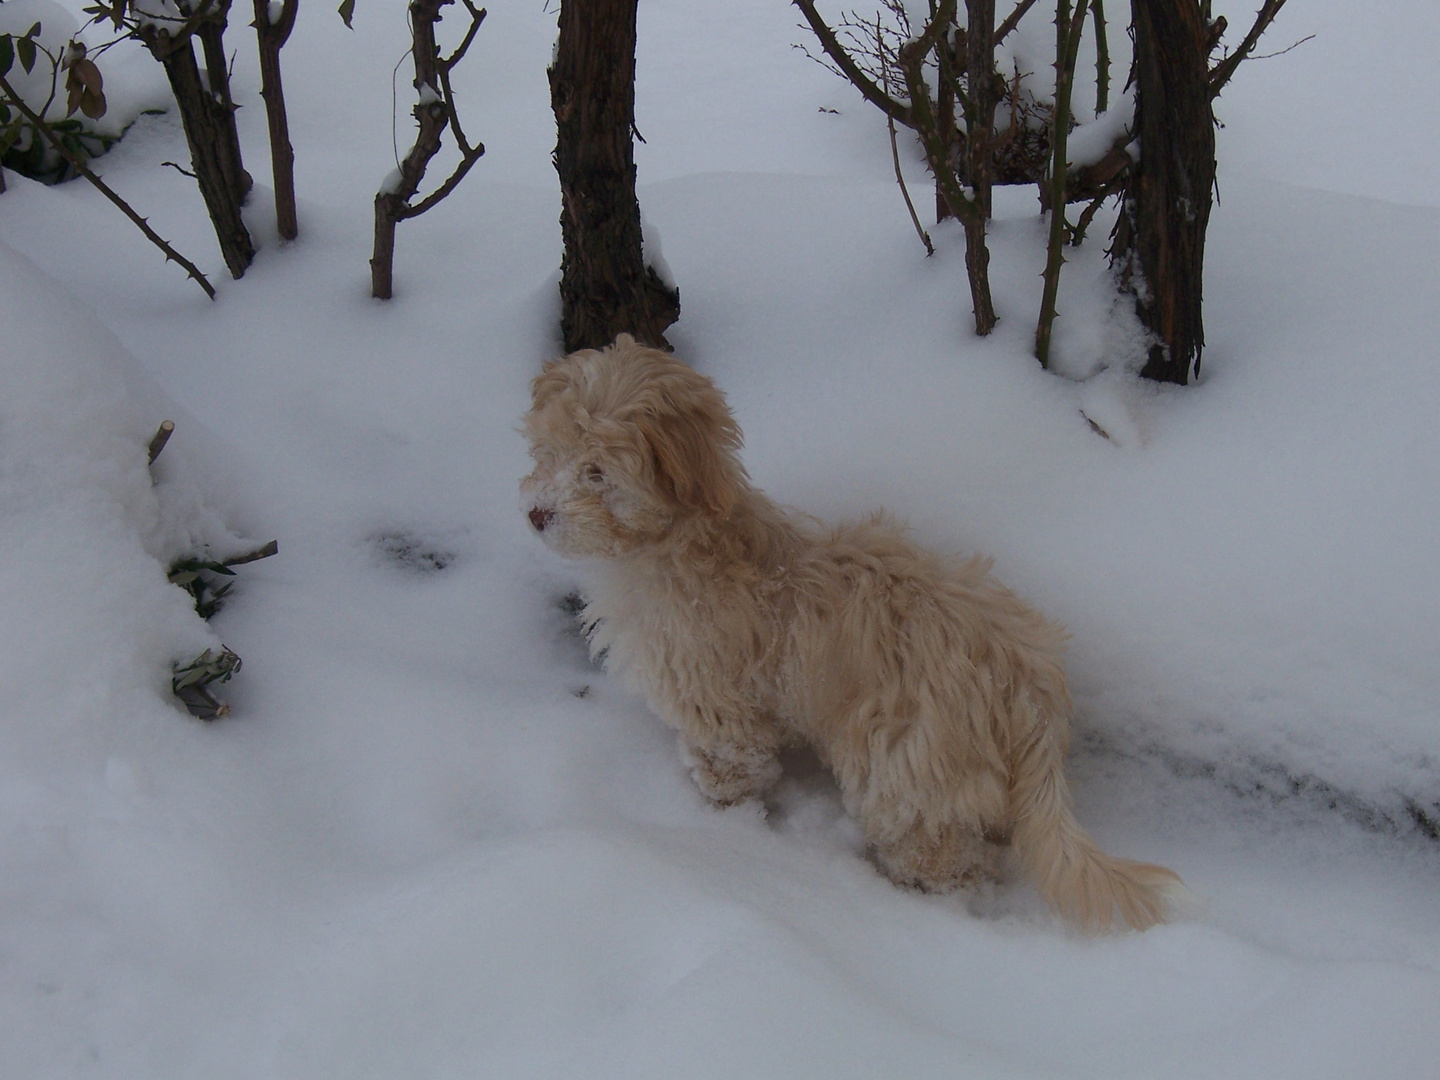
(90, 531)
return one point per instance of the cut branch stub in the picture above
(162, 436)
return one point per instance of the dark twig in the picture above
(895, 157)
(84, 170)
(1282, 52)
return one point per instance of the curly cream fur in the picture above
(932, 692)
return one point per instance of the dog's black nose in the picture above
(540, 518)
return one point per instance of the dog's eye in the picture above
(594, 475)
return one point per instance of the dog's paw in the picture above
(940, 859)
(729, 774)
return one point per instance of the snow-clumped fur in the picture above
(934, 694)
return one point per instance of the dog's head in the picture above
(627, 442)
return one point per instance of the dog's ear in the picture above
(548, 384)
(692, 439)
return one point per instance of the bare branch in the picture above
(477, 16)
(434, 112)
(1222, 72)
(84, 170)
(409, 211)
(1012, 20)
(901, 114)
(1102, 58)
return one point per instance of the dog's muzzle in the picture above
(541, 518)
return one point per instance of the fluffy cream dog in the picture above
(933, 693)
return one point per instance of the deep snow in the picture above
(433, 841)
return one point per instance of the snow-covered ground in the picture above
(433, 841)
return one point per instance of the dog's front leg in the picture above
(731, 772)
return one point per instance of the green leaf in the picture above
(25, 49)
(32, 31)
(7, 54)
(347, 12)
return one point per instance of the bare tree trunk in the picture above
(209, 122)
(945, 118)
(1159, 240)
(984, 95)
(272, 37)
(211, 33)
(605, 288)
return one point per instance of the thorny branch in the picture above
(84, 170)
(1012, 20)
(1222, 72)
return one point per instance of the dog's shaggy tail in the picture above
(1083, 884)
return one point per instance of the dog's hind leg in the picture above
(731, 772)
